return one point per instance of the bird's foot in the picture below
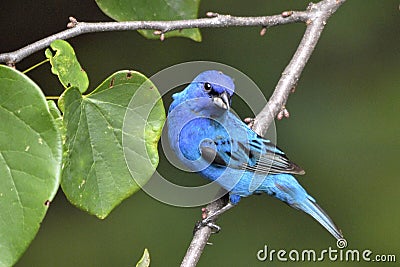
(214, 228)
(206, 222)
(209, 218)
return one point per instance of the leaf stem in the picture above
(35, 66)
(56, 97)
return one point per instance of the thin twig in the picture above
(161, 27)
(316, 17)
(318, 14)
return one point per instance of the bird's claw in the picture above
(206, 222)
(214, 228)
(197, 227)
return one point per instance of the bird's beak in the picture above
(222, 101)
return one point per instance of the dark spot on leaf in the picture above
(129, 75)
(47, 203)
(112, 82)
(151, 87)
(68, 85)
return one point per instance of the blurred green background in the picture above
(343, 130)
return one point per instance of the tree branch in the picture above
(316, 18)
(200, 238)
(214, 21)
(318, 14)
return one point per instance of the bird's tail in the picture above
(310, 206)
(286, 188)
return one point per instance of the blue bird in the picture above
(211, 140)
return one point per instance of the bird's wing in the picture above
(255, 155)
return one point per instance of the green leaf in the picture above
(145, 260)
(54, 111)
(30, 162)
(95, 175)
(60, 102)
(129, 10)
(58, 119)
(66, 66)
(56, 114)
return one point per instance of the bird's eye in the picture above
(207, 87)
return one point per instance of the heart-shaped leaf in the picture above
(30, 162)
(95, 175)
(129, 10)
(66, 66)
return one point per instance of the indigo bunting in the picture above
(211, 140)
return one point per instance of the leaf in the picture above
(56, 114)
(30, 162)
(60, 102)
(129, 10)
(66, 66)
(95, 175)
(145, 260)
(58, 119)
(54, 111)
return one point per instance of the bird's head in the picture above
(209, 91)
(215, 86)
